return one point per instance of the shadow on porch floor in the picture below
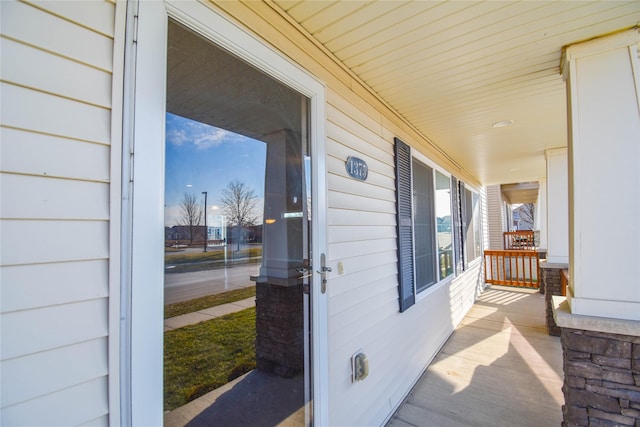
(254, 399)
(499, 368)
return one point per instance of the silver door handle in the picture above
(323, 273)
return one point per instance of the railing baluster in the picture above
(504, 267)
(519, 240)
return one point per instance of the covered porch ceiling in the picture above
(454, 69)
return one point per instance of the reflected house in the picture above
(216, 229)
(217, 234)
(445, 102)
(250, 234)
(182, 233)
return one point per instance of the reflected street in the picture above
(180, 287)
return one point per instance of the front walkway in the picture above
(499, 368)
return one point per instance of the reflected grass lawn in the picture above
(178, 308)
(202, 357)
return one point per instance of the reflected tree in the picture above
(239, 202)
(190, 214)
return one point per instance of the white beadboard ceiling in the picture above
(452, 69)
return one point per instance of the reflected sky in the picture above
(201, 158)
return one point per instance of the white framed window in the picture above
(444, 219)
(467, 230)
(424, 236)
(425, 218)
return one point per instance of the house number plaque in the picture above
(357, 168)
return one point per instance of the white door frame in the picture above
(143, 215)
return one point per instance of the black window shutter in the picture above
(405, 225)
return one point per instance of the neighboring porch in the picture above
(499, 367)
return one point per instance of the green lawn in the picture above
(200, 358)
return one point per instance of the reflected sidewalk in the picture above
(208, 314)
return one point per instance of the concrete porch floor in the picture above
(499, 368)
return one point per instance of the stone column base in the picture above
(552, 282)
(601, 369)
(279, 329)
(602, 378)
(542, 257)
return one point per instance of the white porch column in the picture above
(282, 235)
(557, 206)
(604, 176)
(541, 214)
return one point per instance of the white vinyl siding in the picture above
(31, 376)
(94, 88)
(24, 289)
(48, 198)
(363, 302)
(49, 114)
(55, 138)
(67, 38)
(53, 156)
(55, 224)
(474, 230)
(495, 218)
(70, 406)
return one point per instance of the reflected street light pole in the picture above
(206, 230)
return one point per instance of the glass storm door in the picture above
(237, 239)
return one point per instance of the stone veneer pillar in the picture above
(279, 329)
(542, 258)
(552, 284)
(601, 370)
(600, 317)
